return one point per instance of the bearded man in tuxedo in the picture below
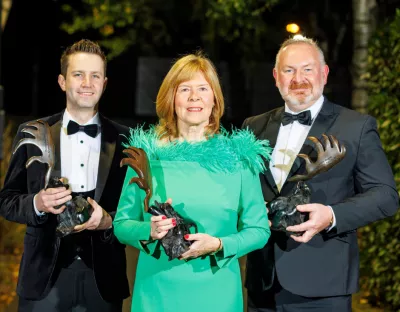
(318, 270)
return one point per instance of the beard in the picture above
(298, 101)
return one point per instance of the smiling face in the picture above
(300, 76)
(84, 81)
(194, 101)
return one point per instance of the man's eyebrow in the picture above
(305, 65)
(82, 71)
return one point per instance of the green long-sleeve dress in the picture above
(214, 183)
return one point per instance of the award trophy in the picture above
(282, 210)
(173, 242)
(77, 210)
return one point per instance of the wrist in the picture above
(106, 223)
(146, 242)
(331, 219)
(219, 248)
(109, 222)
(37, 209)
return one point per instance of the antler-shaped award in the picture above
(40, 131)
(77, 210)
(282, 210)
(329, 154)
(138, 161)
(173, 242)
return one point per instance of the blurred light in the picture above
(292, 28)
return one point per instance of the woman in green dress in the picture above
(212, 177)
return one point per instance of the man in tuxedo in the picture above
(85, 270)
(318, 270)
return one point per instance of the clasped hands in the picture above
(202, 244)
(47, 200)
(320, 217)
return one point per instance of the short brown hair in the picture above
(86, 46)
(183, 70)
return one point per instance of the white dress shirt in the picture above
(288, 144)
(79, 155)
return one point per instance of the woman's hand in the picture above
(160, 225)
(203, 244)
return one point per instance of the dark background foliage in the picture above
(240, 36)
(380, 242)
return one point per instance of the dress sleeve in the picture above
(253, 228)
(129, 223)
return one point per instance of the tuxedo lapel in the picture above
(271, 129)
(55, 130)
(270, 133)
(108, 141)
(322, 124)
(324, 120)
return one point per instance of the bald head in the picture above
(300, 40)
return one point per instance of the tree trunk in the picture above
(5, 9)
(363, 26)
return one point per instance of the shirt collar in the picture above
(67, 117)
(314, 109)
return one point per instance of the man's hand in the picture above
(46, 200)
(99, 220)
(319, 219)
(203, 244)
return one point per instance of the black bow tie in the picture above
(90, 130)
(303, 118)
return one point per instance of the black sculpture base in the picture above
(174, 243)
(77, 211)
(282, 211)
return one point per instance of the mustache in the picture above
(303, 85)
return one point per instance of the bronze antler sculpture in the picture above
(173, 242)
(138, 161)
(77, 210)
(329, 154)
(282, 210)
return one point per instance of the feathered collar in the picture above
(226, 151)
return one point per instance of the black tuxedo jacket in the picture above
(41, 245)
(360, 190)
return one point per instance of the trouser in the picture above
(278, 299)
(74, 290)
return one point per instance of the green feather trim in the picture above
(227, 151)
